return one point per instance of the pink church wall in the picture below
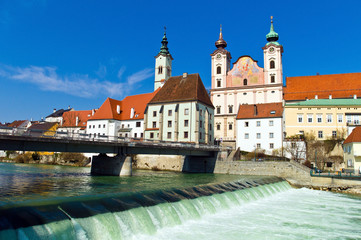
(245, 68)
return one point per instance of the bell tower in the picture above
(163, 64)
(272, 52)
(221, 61)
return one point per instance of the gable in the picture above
(245, 68)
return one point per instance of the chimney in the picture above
(76, 121)
(54, 110)
(185, 75)
(118, 109)
(316, 96)
(132, 112)
(255, 110)
(69, 107)
(93, 112)
(354, 96)
(330, 96)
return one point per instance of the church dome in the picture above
(272, 36)
(220, 43)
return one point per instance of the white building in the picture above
(181, 111)
(120, 118)
(260, 126)
(245, 83)
(75, 122)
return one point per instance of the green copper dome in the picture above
(164, 47)
(272, 36)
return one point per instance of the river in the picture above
(55, 202)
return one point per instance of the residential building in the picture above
(75, 122)
(181, 111)
(120, 118)
(352, 151)
(57, 115)
(39, 129)
(324, 118)
(245, 83)
(260, 126)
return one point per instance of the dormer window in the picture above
(245, 82)
(272, 64)
(219, 70)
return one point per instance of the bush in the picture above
(307, 164)
(35, 156)
(23, 158)
(77, 159)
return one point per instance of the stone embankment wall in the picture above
(295, 173)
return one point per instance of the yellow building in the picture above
(325, 118)
(352, 151)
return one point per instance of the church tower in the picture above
(163, 64)
(272, 52)
(221, 62)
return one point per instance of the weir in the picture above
(122, 216)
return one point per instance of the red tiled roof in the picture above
(266, 110)
(16, 123)
(338, 85)
(69, 118)
(177, 89)
(109, 108)
(355, 136)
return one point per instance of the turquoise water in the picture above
(161, 205)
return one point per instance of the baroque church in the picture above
(245, 83)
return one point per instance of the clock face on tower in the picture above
(218, 56)
(272, 49)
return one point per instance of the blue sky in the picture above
(59, 53)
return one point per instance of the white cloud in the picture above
(79, 85)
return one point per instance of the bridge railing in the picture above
(26, 132)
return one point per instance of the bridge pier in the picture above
(119, 165)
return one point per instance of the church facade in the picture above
(244, 83)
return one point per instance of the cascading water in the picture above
(131, 215)
(144, 207)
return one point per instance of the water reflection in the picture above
(31, 182)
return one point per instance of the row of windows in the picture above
(185, 134)
(319, 118)
(186, 112)
(258, 123)
(135, 135)
(271, 145)
(169, 135)
(230, 126)
(137, 124)
(258, 135)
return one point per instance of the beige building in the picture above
(325, 118)
(352, 151)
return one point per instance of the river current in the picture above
(53, 202)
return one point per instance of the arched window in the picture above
(219, 83)
(219, 70)
(273, 79)
(272, 64)
(245, 82)
(160, 70)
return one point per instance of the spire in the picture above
(164, 48)
(220, 43)
(272, 36)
